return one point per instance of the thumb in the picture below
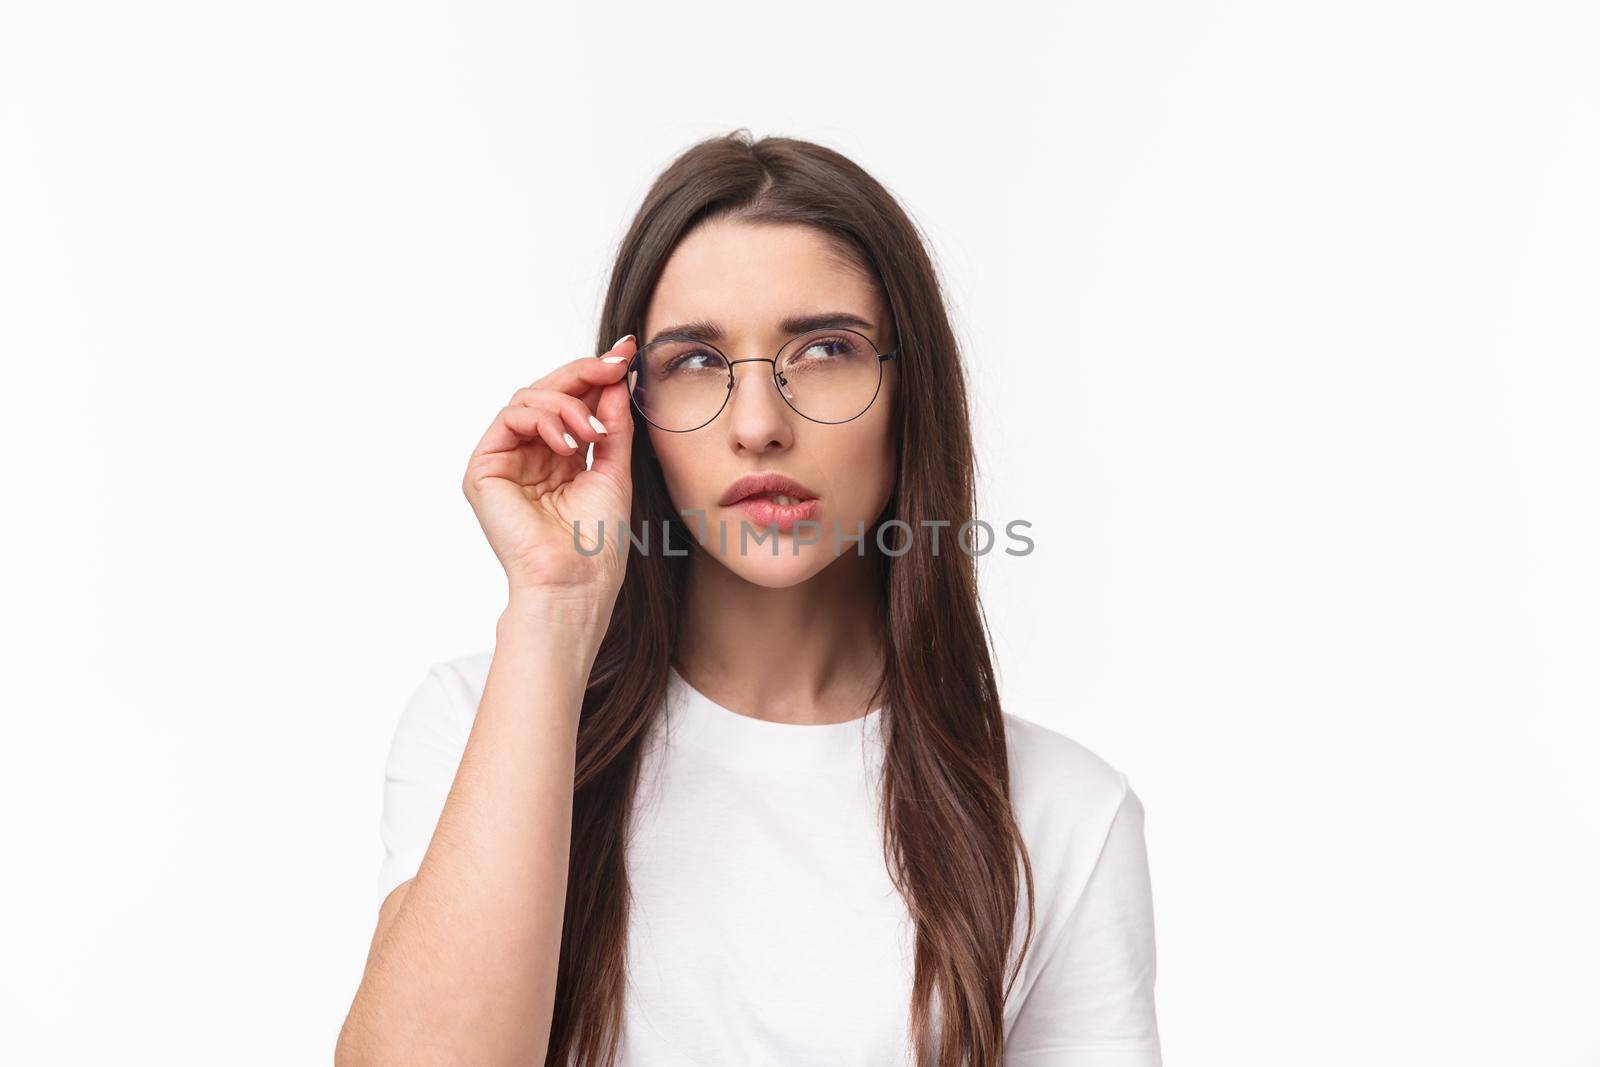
(613, 452)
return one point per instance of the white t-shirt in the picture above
(765, 931)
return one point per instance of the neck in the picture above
(806, 653)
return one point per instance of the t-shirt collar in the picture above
(745, 740)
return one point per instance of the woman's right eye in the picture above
(693, 360)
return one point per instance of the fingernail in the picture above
(599, 427)
(621, 339)
(615, 359)
(567, 437)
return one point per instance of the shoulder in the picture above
(463, 677)
(1047, 766)
(443, 704)
(1080, 821)
(1064, 795)
(1089, 967)
(424, 755)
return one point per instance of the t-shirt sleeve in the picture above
(423, 758)
(1093, 1002)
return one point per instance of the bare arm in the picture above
(463, 964)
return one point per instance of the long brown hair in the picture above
(951, 843)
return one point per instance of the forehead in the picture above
(748, 277)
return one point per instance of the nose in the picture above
(759, 418)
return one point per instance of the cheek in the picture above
(674, 455)
(880, 443)
(690, 468)
(865, 462)
(883, 462)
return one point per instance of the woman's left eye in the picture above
(828, 346)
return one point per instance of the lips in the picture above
(765, 484)
(769, 498)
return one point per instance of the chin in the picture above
(760, 567)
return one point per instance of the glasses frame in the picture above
(883, 357)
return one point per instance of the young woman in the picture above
(734, 785)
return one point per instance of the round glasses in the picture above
(828, 376)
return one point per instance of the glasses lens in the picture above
(829, 375)
(678, 385)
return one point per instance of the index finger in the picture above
(585, 373)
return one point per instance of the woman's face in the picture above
(747, 279)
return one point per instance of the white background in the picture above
(1282, 323)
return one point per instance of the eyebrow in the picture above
(707, 331)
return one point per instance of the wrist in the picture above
(544, 610)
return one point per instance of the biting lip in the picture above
(764, 484)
